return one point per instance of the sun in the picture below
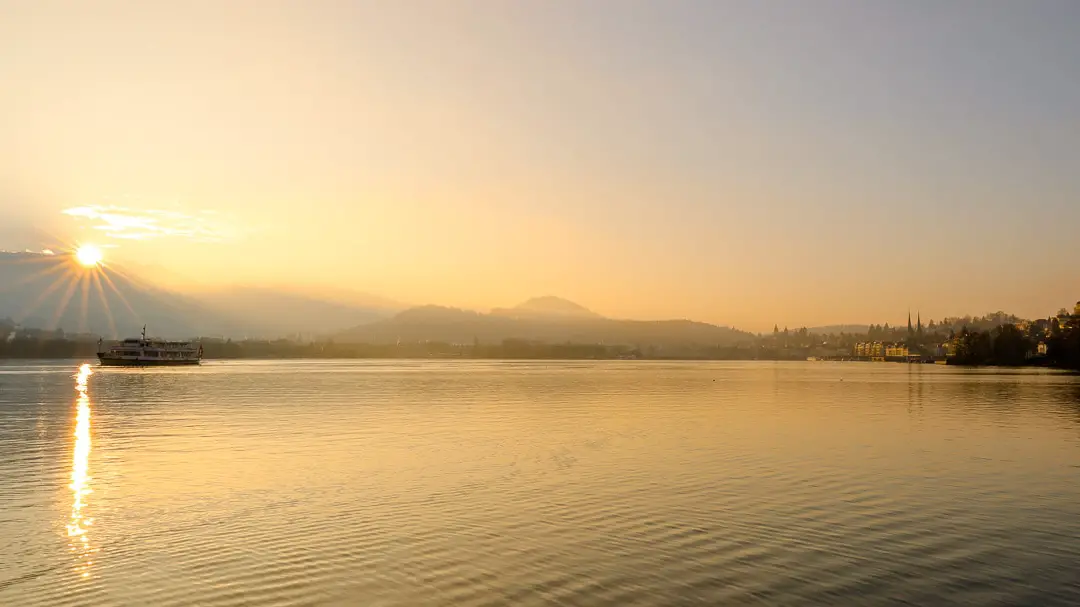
(88, 255)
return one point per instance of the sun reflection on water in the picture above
(78, 540)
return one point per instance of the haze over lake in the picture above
(532, 483)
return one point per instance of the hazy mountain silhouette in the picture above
(350, 297)
(276, 312)
(46, 292)
(34, 288)
(547, 306)
(53, 291)
(436, 323)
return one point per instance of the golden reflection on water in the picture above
(78, 540)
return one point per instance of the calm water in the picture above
(487, 483)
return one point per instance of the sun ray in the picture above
(62, 306)
(84, 287)
(123, 300)
(133, 279)
(60, 265)
(104, 303)
(59, 282)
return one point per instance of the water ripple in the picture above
(485, 483)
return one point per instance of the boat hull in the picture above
(107, 361)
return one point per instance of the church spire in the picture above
(910, 329)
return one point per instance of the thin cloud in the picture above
(123, 223)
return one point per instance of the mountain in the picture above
(55, 292)
(436, 323)
(274, 312)
(547, 306)
(356, 299)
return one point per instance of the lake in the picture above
(538, 483)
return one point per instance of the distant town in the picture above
(995, 339)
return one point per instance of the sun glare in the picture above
(88, 255)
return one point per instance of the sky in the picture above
(743, 163)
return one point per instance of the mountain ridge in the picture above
(549, 306)
(455, 325)
(45, 291)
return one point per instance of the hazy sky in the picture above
(738, 162)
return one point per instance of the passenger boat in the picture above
(143, 352)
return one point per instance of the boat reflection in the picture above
(78, 540)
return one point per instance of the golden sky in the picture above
(730, 162)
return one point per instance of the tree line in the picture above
(1009, 345)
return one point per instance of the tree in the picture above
(1010, 345)
(1063, 347)
(973, 348)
